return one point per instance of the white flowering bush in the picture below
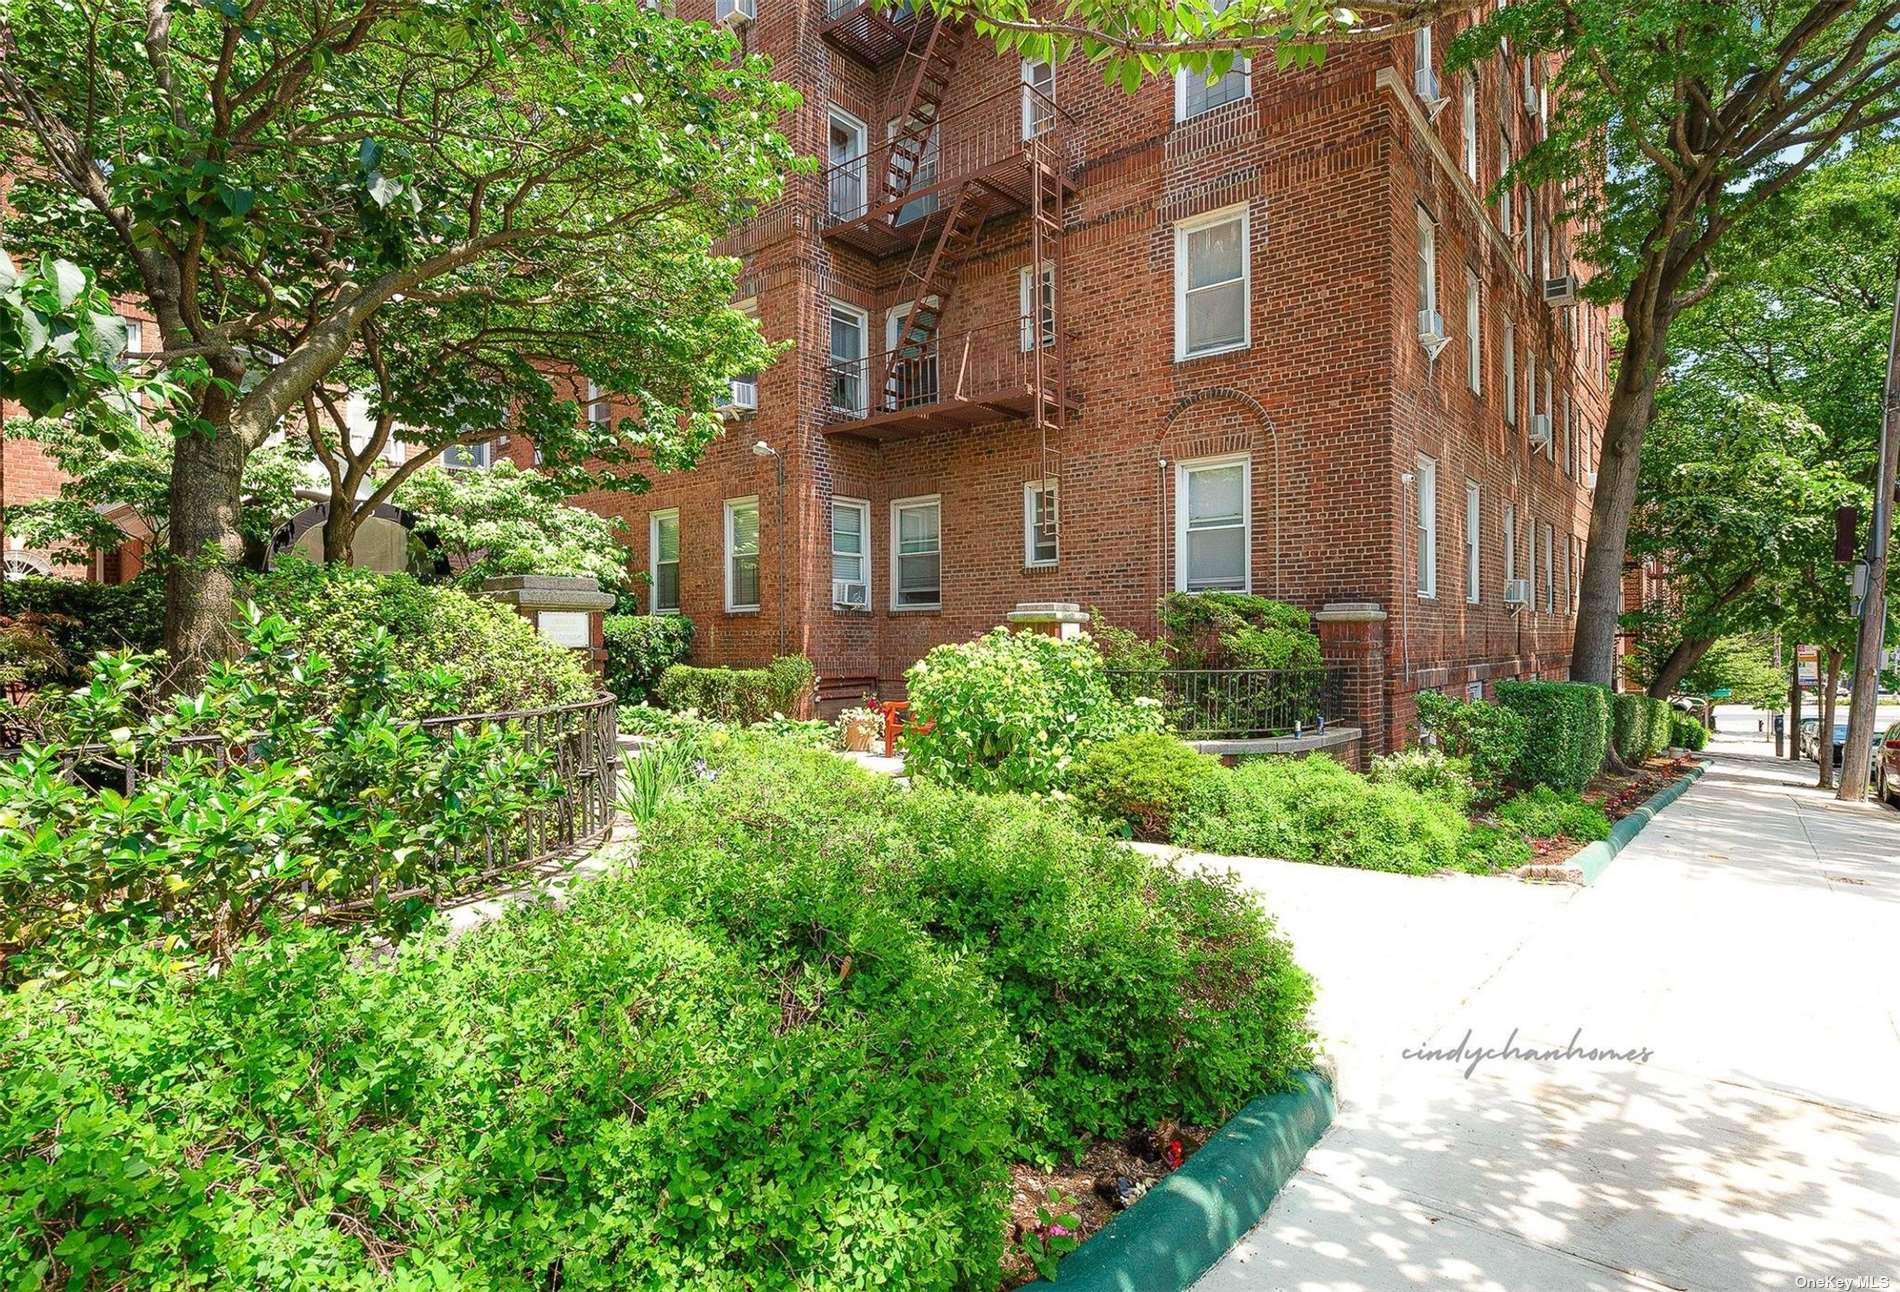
(1010, 711)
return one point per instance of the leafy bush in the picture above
(1490, 849)
(1567, 730)
(1135, 993)
(498, 659)
(591, 1097)
(1642, 726)
(654, 773)
(640, 648)
(505, 520)
(1489, 737)
(1237, 630)
(1687, 732)
(1429, 772)
(82, 618)
(1010, 711)
(278, 807)
(1140, 781)
(739, 696)
(1314, 809)
(1544, 813)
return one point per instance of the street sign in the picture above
(1720, 693)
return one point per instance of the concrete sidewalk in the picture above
(1749, 940)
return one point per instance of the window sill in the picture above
(932, 609)
(1428, 596)
(1236, 348)
(850, 610)
(1040, 565)
(657, 613)
(742, 610)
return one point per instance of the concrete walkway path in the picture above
(1749, 940)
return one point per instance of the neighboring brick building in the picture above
(1292, 423)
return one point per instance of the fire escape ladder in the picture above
(934, 64)
(1048, 370)
(961, 228)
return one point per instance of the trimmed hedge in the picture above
(1488, 736)
(739, 696)
(83, 618)
(640, 648)
(1642, 726)
(1141, 781)
(1567, 730)
(1686, 731)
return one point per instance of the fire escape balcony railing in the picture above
(955, 379)
(884, 201)
(876, 34)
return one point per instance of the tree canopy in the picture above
(444, 202)
(508, 521)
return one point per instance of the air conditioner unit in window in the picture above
(736, 12)
(1517, 592)
(1540, 431)
(1425, 85)
(1590, 480)
(1431, 332)
(1531, 101)
(744, 396)
(1561, 290)
(851, 594)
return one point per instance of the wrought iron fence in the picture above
(580, 739)
(1209, 703)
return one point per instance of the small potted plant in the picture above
(859, 728)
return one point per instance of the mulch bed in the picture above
(1618, 796)
(1122, 1170)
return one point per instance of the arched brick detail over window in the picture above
(1221, 421)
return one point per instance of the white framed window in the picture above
(1550, 407)
(1425, 481)
(1474, 336)
(1473, 588)
(916, 553)
(727, 10)
(850, 554)
(1039, 97)
(1510, 373)
(1570, 443)
(845, 147)
(1510, 542)
(742, 553)
(1195, 94)
(1469, 126)
(1422, 49)
(663, 560)
(1213, 525)
(1026, 310)
(1212, 284)
(1506, 216)
(847, 375)
(1427, 267)
(1530, 561)
(1530, 388)
(466, 457)
(1549, 573)
(599, 405)
(1039, 523)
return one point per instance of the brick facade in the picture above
(1331, 403)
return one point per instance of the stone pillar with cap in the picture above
(1062, 619)
(565, 609)
(1352, 639)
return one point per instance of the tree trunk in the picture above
(339, 532)
(1600, 594)
(205, 546)
(1824, 751)
(1687, 654)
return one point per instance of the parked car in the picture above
(1812, 748)
(1805, 744)
(1887, 764)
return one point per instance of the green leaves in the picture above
(60, 343)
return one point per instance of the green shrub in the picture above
(640, 648)
(1140, 781)
(1661, 719)
(739, 696)
(1642, 725)
(1010, 711)
(1490, 737)
(591, 1098)
(1313, 809)
(82, 618)
(1544, 813)
(1137, 994)
(330, 808)
(1567, 731)
(1687, 732)
(1490, 849)
(1429, 772)
(497, 658)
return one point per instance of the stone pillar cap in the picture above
(1350, 612)
(1047, 612)
(548, 591)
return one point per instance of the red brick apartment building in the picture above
(1284, 344)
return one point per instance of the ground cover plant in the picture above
(799, 1045)
(1544, 813)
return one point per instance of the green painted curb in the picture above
(1596, 858)
(1189, 1219)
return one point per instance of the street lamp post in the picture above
(763, 450)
